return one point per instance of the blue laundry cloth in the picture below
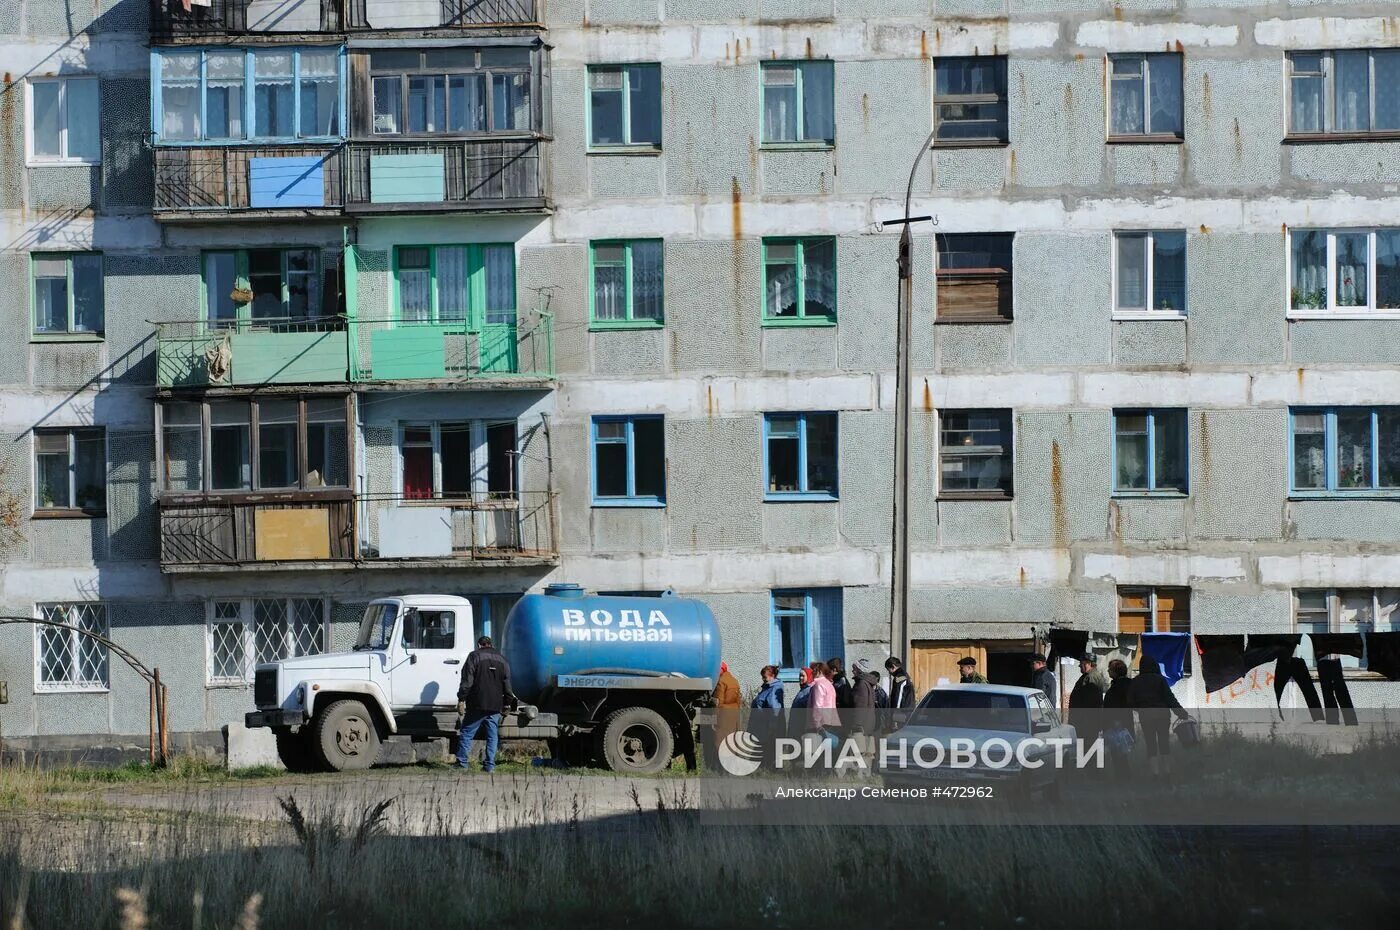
(1168, 650)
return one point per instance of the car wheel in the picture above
(637, 741)
(345, 737)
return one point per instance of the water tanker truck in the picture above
(611, 681)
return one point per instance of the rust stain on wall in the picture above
(809, 46)
(1205, 230)
(1021, 576)
(1205, 96)
(1205, 445)
(736, 209)
(928, 397)
(1059, 521)
(865, 111)
(923, 43)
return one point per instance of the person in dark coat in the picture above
(1086, 699)
(1155, 704)
(1118, 719)
(902, 694)
(481, 698)
(863, 698)
(1044, 679)
(839, 681)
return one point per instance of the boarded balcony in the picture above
(171, 20)
(478, 174)
(507, 352)
(200, 181)
(299, 531)
(191, 353)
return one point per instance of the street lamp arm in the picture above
(913, 170)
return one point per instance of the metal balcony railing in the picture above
(218, 178)
(251, 352)
(475, 527)
(171, 20)
(478, 173)
(521, 347)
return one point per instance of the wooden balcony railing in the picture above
(171, 20)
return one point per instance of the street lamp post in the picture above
(899, 555)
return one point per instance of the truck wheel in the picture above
(344, 737)
(637, 741)
(294, 749)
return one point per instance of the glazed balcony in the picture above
(171, 21)
(518, 352)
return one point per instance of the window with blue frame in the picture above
(1345, 450)
(1149, 452)
(799, 455)
(238, 95)
(805, 627)
(629, 461)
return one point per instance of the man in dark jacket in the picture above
(1086, 699)
(901, 685)
(840, 682)
(1044, 679)
(863, 698)
(484, 693)
(1154, 702)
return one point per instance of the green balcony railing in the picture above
(337, 350)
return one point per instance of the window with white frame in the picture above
(65, 659)
(1344, 610)
(1343, 270)
(70, 471)
(1345, 450)
(465, 460)
(67, 293)
(624, 106)
(1355, 92)
(798, 102)
(247, 632)
(65, 121)
(1149, 271)
(203, 94)
(1144, 96)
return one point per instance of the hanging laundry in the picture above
(1169, 651)
(1222, 660)
(1383, 654)
(1284, 643)
(1291, 668)
(1336, 644)
(1335, 695)
(1067, 644)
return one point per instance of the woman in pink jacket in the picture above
(823, 701)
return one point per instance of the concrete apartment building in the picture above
(304, 302)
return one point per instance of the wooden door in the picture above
(931, 660)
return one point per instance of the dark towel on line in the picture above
(1169, 650)
(1336, 644)
(1383, 654)
(1285, 643)
(1067, 644)
(1222, 660)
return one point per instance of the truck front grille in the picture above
(265, 687)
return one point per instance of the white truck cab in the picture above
(332, 711)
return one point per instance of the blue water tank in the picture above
(564, 631)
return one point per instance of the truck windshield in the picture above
(972, 710)
(377, 628)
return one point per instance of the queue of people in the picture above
(1105, 705)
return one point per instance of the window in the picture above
(974, 277)
(1345, 450)
(629, 461)
(969, 100)
(68, 293)
(1154, 610)
(800, 456)
(799, 281)
(1149, 273)
(203, 95)
(65, 122)
(1344, 610)
(464, 460)
(300, 444)
(67, 660)
(266, 285)
(798, 102)
(1149, 451)
(628, 284)
(1344, 93)
(1144, 97)
(429, 629)
(455, 284)
(624, 106)
(1344, 271)
(70, 471)
(805, 626)
(974, 454)
(249, 632)
(451, 91)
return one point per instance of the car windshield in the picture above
(377, 628)
(972, 710)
